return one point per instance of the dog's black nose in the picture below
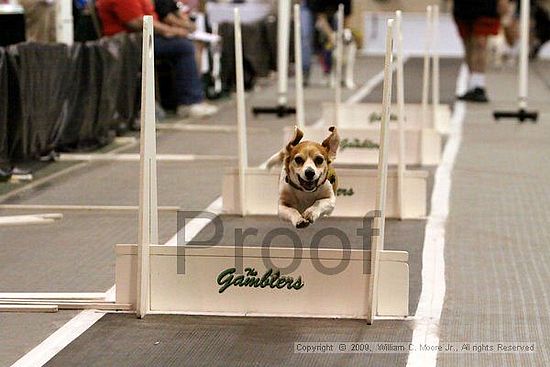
(310, 173)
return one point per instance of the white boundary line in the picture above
(52, 345)
(62, 337)
(134, 157)
(430, 305)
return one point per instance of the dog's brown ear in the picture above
(298, 135)
(332, 142)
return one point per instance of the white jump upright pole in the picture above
(283, 39)
(377, 240)
(522, 114)
(426, 71)
(283, 31)
(148, 211)
(401, 166)
(64, 32)
(241, 112)
(339, 64)
(524, 54)
(435, 69)
(298, 62)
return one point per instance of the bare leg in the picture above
(478, 54)
(466, 42)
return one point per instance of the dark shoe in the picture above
(477, 95)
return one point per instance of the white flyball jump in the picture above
(407, 189)
(522, 114)
(149, 275)
(424, 123)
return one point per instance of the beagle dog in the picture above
(308, 183)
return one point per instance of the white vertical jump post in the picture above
(241, 112)
(401, 165)
(426, 71)
(283, 37)
(64, 22)
(339, 64)
(283, 29)
(148, 213)
(378, 224)
(298, 62)
(435, 69)
(216, 60)
(522, 114)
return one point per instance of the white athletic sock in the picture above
(477, 80)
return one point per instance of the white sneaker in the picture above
(198, 110)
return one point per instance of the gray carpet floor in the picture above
(115, 340)
(496, 253)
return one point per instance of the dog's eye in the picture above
(319, 160)
(299, 160)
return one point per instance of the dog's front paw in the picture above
(301, 223)
(311, 215)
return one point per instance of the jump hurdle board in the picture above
(353, 199)
(359, 146)
(197, 292)
(357, 115)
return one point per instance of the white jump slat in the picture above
(377, 244)
(21, 220)
(401, 167)
(28, 308)
(339, 63)
(283, 29)
(129, 157)
(525, 12)
(300, 108)
(426, 69)
(241, 109)
(148, 214)
(435, 69)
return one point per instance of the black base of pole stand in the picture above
(521, 115)
(280, 110)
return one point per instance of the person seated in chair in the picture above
(170, 43)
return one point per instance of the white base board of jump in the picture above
(354, 198)
(355, 115)
(359, 145)
(197, 292)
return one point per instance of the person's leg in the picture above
(479, 54)
(190, 94)
(182, 53)
(308, 31)
(464, 28)
(482, 28)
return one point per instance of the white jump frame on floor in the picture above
(147, 273)
(407, 189)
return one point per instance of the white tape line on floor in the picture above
(53, 344)
(430, 305)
